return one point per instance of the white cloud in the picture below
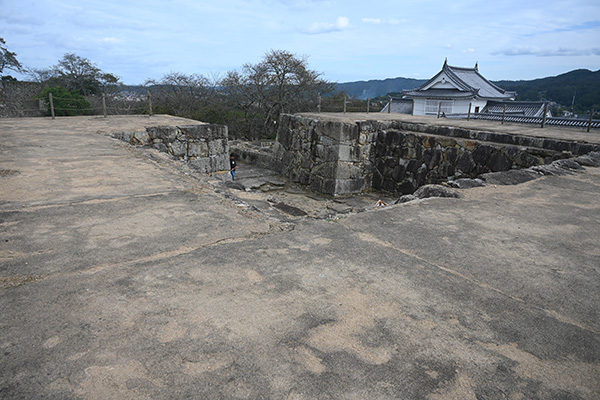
(536, 51)
(111, 40)
(303, 4)
(469, 50)
(341, 23)
(391, 21)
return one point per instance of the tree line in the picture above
(249, 101)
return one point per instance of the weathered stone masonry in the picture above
(203, 146)
(332, 157)
(407, 156)
(336, 157)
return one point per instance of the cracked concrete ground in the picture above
(123, 274)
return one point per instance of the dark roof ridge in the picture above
(457, 81)
(476, 70)
(463, 68)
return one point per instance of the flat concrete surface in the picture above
(552, 132)
(125, 275)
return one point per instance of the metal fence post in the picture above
(51, 105)
(469, 113)
(319, 105)
(390, 105)
(368, 103)
(439, 109)
(503, 114)
(104, 104)
(590, 121)
(344, 104)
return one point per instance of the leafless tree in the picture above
(183, 95)
(281, 82)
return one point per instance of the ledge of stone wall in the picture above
(205, 147)
(337, 157)
(574, 147)
(404, 161)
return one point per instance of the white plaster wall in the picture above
(443, 85)
(462, 106)
(477, 103)
(459, 106)
(419, 107)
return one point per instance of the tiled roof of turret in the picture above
(468, 81)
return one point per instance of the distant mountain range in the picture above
(370, 89)
(582, 83)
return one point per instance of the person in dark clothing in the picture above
(233, 166)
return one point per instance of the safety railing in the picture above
(522, 119)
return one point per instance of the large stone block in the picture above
(482, 154)
(178, 148)
(141, 138)
(339, 131)
(197, 149)
(207, 131)
(350, 186)
(126, 136)
(329, 186)
(325, 170)
(219, 162)
(303, 176)
(202, 164)
(499, 161)
(451, 154)
(389, 185)
(326, 140)
(316, 183)
(526, 160)
(284, 138)
(217, 147)
(465, 162)
(346, 152)
(408, 186)
(278, 151)
(166, 133)
(345, 170)
(394, 138)
(399, 173)
(306, 160)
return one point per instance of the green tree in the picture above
(8, 59)
(66, 103)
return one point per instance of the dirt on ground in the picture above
(126, 274)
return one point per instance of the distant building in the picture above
(453, 90)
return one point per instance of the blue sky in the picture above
(345, 40)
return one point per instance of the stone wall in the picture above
(336, 157)
(407, 156)
(404, 161)
(331, 157)
(203, 146)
